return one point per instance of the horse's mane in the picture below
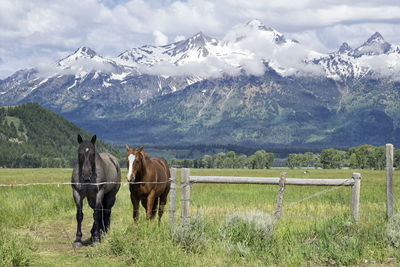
(146, 157)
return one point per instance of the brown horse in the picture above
(151, 182)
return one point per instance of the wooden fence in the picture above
(187, 179)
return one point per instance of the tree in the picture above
(218, 160)
(241, 162)
(308, 159)
(292, 161)
(332, 158)
(208, 161)
(21, 128)
(174, 162)
(187, 163)
(260, 160)
(366, 157)
(14, 132)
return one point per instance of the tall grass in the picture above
(15, 250)
(230, 225)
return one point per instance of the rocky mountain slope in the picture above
(252, 87)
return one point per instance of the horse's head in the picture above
(133, 161)
(86, 158)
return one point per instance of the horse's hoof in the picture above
(77, 244)
(95, 241)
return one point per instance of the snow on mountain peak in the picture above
(245, 48)
(255, 23)
(84, 61)
(85, 51)
(344, 48)
(375, 45)
(82, 52)
(376, 37)
(256, 28)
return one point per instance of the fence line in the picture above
(187, 180)
(70, 183)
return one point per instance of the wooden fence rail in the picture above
(187, 179)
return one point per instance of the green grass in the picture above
(37, 224)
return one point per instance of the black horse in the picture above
(97, 177)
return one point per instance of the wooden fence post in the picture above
(389, 180)
(355, 196)
(185, 195)
(172, 197)
(279, 200)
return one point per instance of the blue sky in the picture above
(40, 32)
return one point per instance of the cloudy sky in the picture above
(39, 32)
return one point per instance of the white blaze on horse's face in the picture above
(131, 159)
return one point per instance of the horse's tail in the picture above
(165, 165)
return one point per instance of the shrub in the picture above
(191, 236)
(393, 230)
(247, 230)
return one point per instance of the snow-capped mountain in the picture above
(375, 45)
(246, 48)
(195, 48)
(376, 58)
(253, 74)
(201, 56)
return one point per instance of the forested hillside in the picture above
(32, 136)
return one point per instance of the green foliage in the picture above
(15, 250)
(366, 157)
(31, 136)
(361, 157)
(332, 158)
(261, 160)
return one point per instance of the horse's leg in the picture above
(163, 201)
(150, 201)
(108, 203)
(135, 204)
(79, 217)
(92, 204)
(154, 210)
(144, 203)
(97, 206)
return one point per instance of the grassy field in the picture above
(37, 224)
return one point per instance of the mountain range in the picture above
(253, 87)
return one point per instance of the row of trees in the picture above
(259, 160)
(361, 157)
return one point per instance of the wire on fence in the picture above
(316, 194)
(70, 183)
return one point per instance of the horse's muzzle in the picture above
(129, 178)
(86, 177)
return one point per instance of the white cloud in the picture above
(179, 38)
(42, 29)
(160, 39)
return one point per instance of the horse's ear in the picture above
(127, 148)
(79, 139)
(94, 138)
(140, 149)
